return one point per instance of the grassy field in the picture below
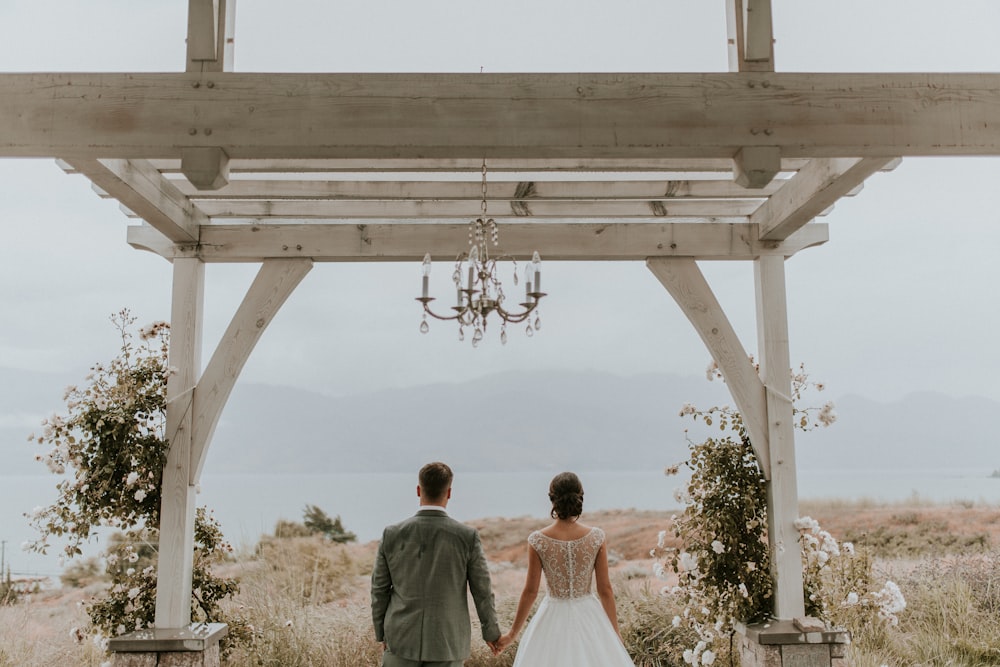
(308, 599)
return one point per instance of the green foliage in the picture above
(82, 573)
(111, 447)
(723, 566)
(8, 591)
(318, 521)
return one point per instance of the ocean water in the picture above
(249, 505)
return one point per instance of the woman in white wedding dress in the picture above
(572, 627)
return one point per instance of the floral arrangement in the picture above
(109, 449)
(723, 566)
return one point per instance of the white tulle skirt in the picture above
(571, 633)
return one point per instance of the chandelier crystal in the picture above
(482, 294)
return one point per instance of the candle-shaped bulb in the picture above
(426, 270)
(536, 262)
(527, 281)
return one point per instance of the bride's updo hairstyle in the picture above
(566, 494)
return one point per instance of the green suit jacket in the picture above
(420, 606)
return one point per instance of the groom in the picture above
(423, 569)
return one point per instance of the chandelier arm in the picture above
(457, 316)
(515, 318)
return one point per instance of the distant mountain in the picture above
(514, 422)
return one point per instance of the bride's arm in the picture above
(528, 596)
(604, 590)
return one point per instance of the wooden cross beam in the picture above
(524, 116)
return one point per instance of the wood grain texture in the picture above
(685, 282)
(275, 281)
(523, 116)
(782, 488)
(811, 192)
(177, 509)
(147, 193)
(555, 241)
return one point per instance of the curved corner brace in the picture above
(275, 281)
(686, 283)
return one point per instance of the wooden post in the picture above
(173, 578)
(782, 491)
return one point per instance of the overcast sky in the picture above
(903, 298)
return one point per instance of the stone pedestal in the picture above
(196, 645)
(791, 644)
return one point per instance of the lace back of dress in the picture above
(568, 566)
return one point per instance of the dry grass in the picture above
(308, 599)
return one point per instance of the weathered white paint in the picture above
(811, 192)
(685, 282)
(783, 500)
(177, 508)
(148, 194)
(524, 116)
(750, 35)
(205, 167)
(389, 242)
(756, 166)
(275, 281)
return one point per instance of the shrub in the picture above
(113, 443)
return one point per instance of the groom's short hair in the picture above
(435, 480)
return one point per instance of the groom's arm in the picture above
(381, 591)
(482, 591)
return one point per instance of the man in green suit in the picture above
(424, 568)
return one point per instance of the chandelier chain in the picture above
(484, 189)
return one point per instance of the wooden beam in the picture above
(750, 35)
(811, 192)
(211, 25)
(177, 506)
(248, 209)
(498, 191)
(685, 282)
(274, 283)
(206, 168)
(140, 187)
(460, 165)
(522, 116)
(754, 167)
(783, 499)
(397, 242)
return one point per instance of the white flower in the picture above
(708, 657)
(688, 409)
(140, 495)
(718, 547)
(676, 621)
(688, 562)
(661, 538)
(711, 370)
(743, 590)
(133, 593)
(132, 478)
(658, 570)
(852, 599)
(288, 623)
(120, 629)
(848, 548)
(689, 656)
(130, 571)
(751, 566)
(806, 524)
(133, 557)
(827, 416)
(680, 495)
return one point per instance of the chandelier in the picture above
(483, 293)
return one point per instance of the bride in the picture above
(572, 627)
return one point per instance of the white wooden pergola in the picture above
(673, 169)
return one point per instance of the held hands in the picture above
(502, 643)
